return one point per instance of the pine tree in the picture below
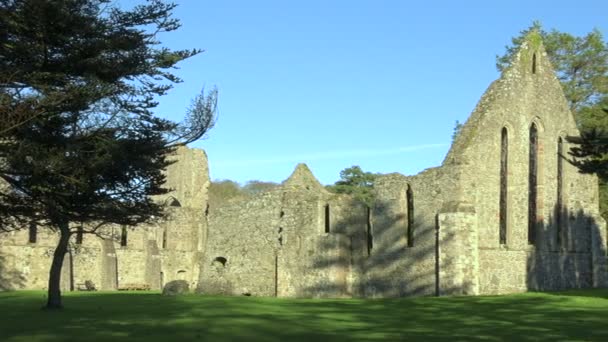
(81, 78)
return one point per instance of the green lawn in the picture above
(566, 316)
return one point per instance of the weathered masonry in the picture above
(505, 212)
(145, 257)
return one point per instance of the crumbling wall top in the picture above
(188, 178)
(303, 179)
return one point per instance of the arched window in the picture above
(534, 63)
(173, 202)
(532, 184)
(410, 216)
(219, 261)
(504, 182)
(559, 221)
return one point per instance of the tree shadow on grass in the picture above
(151, 317)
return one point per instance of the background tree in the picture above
(91, 153)
(581, 64)
(254, 187)
(457, 128)
(223, 191)
(356, 182)
(590, 155)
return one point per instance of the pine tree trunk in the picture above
(54, 294)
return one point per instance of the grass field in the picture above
(565, 316)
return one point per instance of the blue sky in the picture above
(378, 84)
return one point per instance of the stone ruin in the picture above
(142, 258)
(504, 213)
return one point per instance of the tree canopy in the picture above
(354, 181)
(223, 191)
(86, 75)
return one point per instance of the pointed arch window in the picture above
(504, 183)
(532, 184)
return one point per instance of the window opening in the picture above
(79, 234)
(220, 261)
(370, 236)
(410, 216)
(532, 184)
(33, 232)
(560, 194)
(327, 222)
(504, 174)
(123, 237)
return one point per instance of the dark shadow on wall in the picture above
(391, 269)
(569, 257)
(9, 279)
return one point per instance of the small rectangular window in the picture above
(79, 234)
(33, 232)
(123, 237)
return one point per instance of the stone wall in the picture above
(291, 241)
(434, 233)
(154, 254)
(528, 93)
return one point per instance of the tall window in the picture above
(79, 234)
(164, 244)
(504, 174)
(560, 193)
(327, 223)
(532, 184)
(123, 237)
(33, 232)
(534, 63)
(410, 216)
(370, 236)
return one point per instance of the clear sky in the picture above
(332, 84)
